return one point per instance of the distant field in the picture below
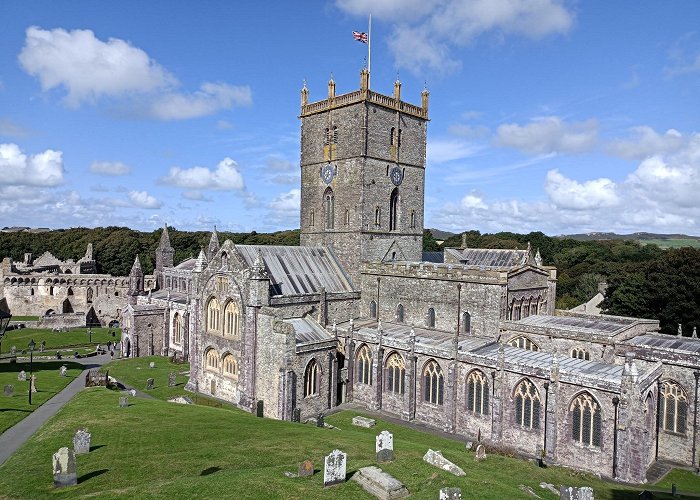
(672, 243)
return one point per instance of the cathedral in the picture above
(469, 343)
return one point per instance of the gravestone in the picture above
(123, 402)
(306, 468)
(450, 494)
(152, 364)
(22, 376)
(296, 415)
(573, 493)
(480, 452)
(81, 442)
(334, 468)
(319, 420)
(363, 422)
(13, 350)
(259, 408)
(385, 447)
(469, 445)
(149, 384)
(171, 379)
(32, 383)
(435, 458)
(379, 484)
(63, 371)
(64, 472)
(9, 390)
(133, 392)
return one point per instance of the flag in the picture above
(360, 36)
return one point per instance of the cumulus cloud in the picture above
(141, 199)
(645, 142)
(226, 177)
(287, 202)
(109, 168)
(42, 169)
(568, 193)
(210, 98)
(549, 135)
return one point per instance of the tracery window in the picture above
(580, 353)
(177, 328)
(399, 313)
(527, 405)
(311, 379)
(213, 316)
(674, 407)
(466, 322)
(372, 309)
(230, 366)
(524, 343)
(211, 360)
(329, 208)
(395, 373)
(478, 392)
(364, 365)
(585, 420)
(232, 318)
(433, 383)
(430, 318)
(394, 210)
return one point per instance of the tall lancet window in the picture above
(394, 210)
(329, 208)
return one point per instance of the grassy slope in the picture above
(74, 339)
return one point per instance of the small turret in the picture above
(397, 89)
(424, 100)
(213, 244)
(201, 262)
(164, 256)
(304, 95)
(364, 80)
(136, 282)
(331, 87)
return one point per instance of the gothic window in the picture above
(31, 291)
(433, 383)
(394, 210)
(674, 407)
(399, 313)
(329, 207)
(372, 309)
(377, 216)
(211, 360)
(312, 220)
(527, 405)
(534, 306)
(334, 137)
(466, 322)
(524, 343)
(89, 295)
(364, 365)
(430, 318)
(392, 139)
(525, 308)
(70, 290)
(413, 219)
(311, 379)
(167, 283)
(399, 140)
(395, 373)
(478, 392)
(177, 328)
(230, 366)
(232, 318)
(213, 316)
(580, 353)
(585, 420)
(326, 137)
(347, 217)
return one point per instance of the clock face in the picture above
(396, 175)
(327, 173)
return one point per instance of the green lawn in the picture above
(19, 319)
(673, 242)
(135, 371)
(72, 339)
(48, 383)
(156, 449)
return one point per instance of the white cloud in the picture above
(225, 177)
(195, 195)
(549, 135)
(287, 202)
(444, 150)
(109, 168)
(645, 142)
(567, 193)
(210, 98)
(278, 163)
(141, 199)
(42, 169)
(473, 200)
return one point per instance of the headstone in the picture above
(573, 493)
(385, 447)
(149, 384)
(319, 420)
(171, 379)
(378, 483)
(334, 468)
(22, 376)
(296, 415)
(152, 364)
(259, 408)
(63, 370)
(123, 402)
(32, 383)
(183, 400)
(306, 468)
(550, 487)
(450, 494)
(435, 458)
(9, 390)
(81, 442)
(469, 445)
(363, 422)
(64, 472)
(480, 452)
(13, 350)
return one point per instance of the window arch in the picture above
(430, 318)
(674, 407)
(580, 353)
(377, 216)
(211, 360)
(413, 219)
(364, 365)
(400, 313)
(527, 405)
(433, 383)
(392, 135)
(394, 210)
(478, 392)
(70, 291)
(372, 309)
(585, 420)
(213, 316)
(523, 343)
(232, 319)
(311, 379)
(347, 217)
(395, 373)
(230, 366)
(329, 208)
(466, 322)
(177, 328)
(312, 218)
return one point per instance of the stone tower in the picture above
(136, 283)
(363, 175)
(164, 257)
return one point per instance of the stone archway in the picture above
(67, 307)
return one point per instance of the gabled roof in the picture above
(489, 257)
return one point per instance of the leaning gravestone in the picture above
(334, 468)
(435, 458)
(123, 402)
(450, 494)
(9, 390)
(306, 468)
(22, 376)
(63, 371)
(385, 447)
(149, 384)
(81, 442)
(171, 379)
(64, 472)
(573, 493)
(480, 452)
(379, 484)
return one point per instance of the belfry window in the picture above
(399, 313)
(430, 318)
(394, 210)
(329, 207)
(372, 309)
(466, 322)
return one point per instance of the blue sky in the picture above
(546, 115)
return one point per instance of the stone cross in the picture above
(22, 376)
(63, 371)
(171, 379)
(385, 447)
(32, 383)
(306, 468)
(81, 442)
(123, 402)
(480, 452)
(64, 471)
(9, 390)
(334, 468)
(149, 384)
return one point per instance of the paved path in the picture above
(15, 436)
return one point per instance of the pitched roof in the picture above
(489, 257)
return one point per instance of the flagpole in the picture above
(369, 50)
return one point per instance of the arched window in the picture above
(311, 379)
(580, 353)
(230, 366)
(347, 217)
(377, 216)
(674, 407)
(433, 383)
(392, 139)
(232, 318)
(478, 392)
(585, 420)
(177, 328)
(413, 219)
(466, 322)
(214, 316)
(70, 290)
(527, 405)
(430, 318)
(334, 138)
(524, 343)
(329, 208)
(31, 291)
(372, 309)
(211, 360)
(312, 218)
(395, 373)
(394, 210)
(399, 313)
(364, 365)
(534, 305)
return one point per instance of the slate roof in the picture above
(436, 257)
(489, 257)
(187, 264)
(179, 297)
(659, 341)
(299, 270)
(308, 330)
(588, 325)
